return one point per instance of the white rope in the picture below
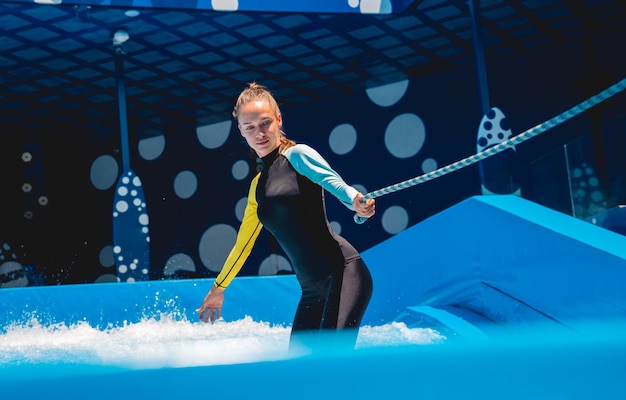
(517, 139)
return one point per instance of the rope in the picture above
(517, 139)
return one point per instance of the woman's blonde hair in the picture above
(256, 92)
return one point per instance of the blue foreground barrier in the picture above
(532, 301)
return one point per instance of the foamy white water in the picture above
(169, 342)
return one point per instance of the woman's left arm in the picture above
(308, 162)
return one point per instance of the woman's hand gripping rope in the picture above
(364, 208)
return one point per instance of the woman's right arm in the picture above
(249, 230)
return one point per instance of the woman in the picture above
(287, 199)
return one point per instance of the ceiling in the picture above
(57, 62)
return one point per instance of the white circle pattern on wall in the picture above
(342, 139)
(185, 184)
(429, 165)
(215, 245)
(151, 148)
(274, 264)
(388, 95)
(405, 135)
(178, 262)
(240, 170)
(395, 219)
(103, 172)
(215, 135)
(240, 208)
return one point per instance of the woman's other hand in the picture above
(211, 308)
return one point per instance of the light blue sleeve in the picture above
(308, 162)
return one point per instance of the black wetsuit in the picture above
(287, 198)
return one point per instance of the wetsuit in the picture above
(287, 198)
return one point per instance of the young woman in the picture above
(287, 199)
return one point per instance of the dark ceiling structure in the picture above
(58, 61)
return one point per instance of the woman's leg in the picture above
(337, 303)
(356, 292)
(347, 300)
(308, 318)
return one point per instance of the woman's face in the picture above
(260, 126)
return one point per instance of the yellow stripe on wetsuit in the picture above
(247, 235)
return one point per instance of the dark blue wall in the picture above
(69, 240)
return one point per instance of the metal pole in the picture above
(121, 95)
(479, 58)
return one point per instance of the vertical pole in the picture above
(121, 95)
(131, 234)
(479, 58)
